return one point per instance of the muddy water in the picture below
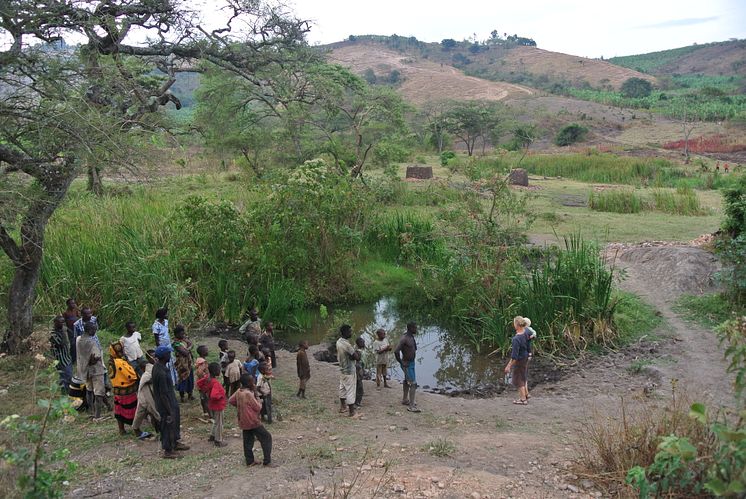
(445, 363)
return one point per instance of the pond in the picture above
(445, 363)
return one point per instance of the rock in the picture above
(419, 172)
(333, 438)
(398, 488)
(320, 489)
(441, 485)
(586, 484)
(366, 467)
(476, 495)
(4, 391)
(392, 428)
(573, 489)
(518, 176)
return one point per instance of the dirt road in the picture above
(494, 448)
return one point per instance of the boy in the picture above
(60, 344)
(132, 350)
(264, 391)
(216, 401)
(145, 402)
(71, 316)
(223, 347)
(359, 347)
(91, 369)
(267, 342)
(304, 368)
(382, 348)
(201, 371)
(248, 409)
(346, 355)
(233, 372)
(252, 328)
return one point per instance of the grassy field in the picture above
(556, 206)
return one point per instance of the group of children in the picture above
(129, 377)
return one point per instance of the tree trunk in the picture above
(21, 296)
(27, 254)
(95, 185)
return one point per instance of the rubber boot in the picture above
(412, 401)
(405, 397)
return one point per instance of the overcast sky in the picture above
(590, 28)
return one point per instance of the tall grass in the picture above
(682, 201)
(606, 168)
(567, 294)
(616, 201)
(403, 236)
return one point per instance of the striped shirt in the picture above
(60, 348)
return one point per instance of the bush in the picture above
(683, 201)
(570, 134)
(636, 88)
(446, 156)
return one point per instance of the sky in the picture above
(590, 28)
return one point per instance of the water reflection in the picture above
(443, 361)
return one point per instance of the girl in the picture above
(124, 382)
(183, 363)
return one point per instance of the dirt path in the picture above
(660, 275)
(495, 449)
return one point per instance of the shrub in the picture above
(446, 156)
(570, 134)
(636, 88)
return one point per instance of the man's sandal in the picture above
(520, 402)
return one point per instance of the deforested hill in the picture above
(513, 60)
(711, 59)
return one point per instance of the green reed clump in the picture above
(616, 201)
(606, 168)
(682, 201)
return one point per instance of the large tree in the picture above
(472, 121)
(61, 106)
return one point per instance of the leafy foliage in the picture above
(570, 134)
(33, 454)
(634, 88)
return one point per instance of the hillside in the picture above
(503, 62)
(713, 59)
(422, 80)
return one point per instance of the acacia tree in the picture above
(59, 107)
(474, 120)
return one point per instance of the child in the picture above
(132, 351)
(183, 363)
(267, 342)
(252, 362)
(382, 349)
(264, 391)
(304, 369)
(360, 346)
(233, 372)
(91, 369)
(223, 347)
(60, 344)
(216, 401)
(201, 371)
(267, 360)
(530, 336)
(145, 402)
(248, 409)
(124, 382)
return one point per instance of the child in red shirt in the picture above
(216, 402)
